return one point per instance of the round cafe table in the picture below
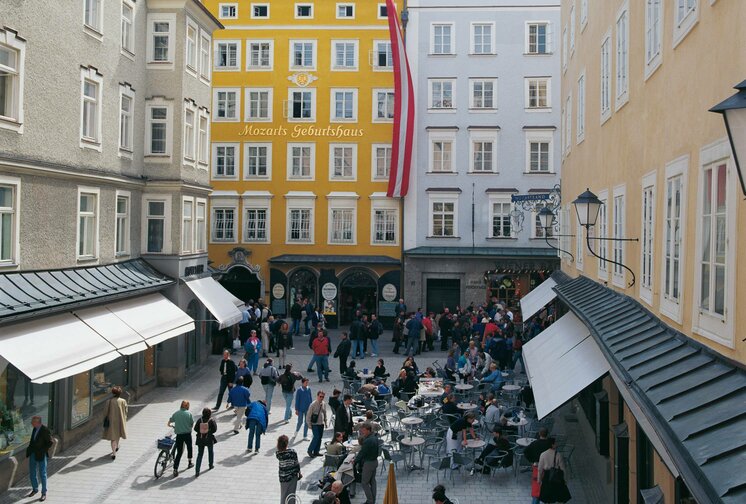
(431, 392)
(357, 419)
(467, 406)
(415, 443)
(524, 441)
(365, 376)
(473, 445)
(464, 387)
(511, 388)
(411, 421)
(521, 424)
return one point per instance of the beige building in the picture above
(638, 78)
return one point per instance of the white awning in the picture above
(560, 362)
(52, 348)
(154, 317)
(538, 298)
(222, 304)
(99, 318)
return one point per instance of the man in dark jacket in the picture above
(367, 459)
(227, 376)
(295, 314)
(37, 453)
(343, 417)
(308, 308)
(356, 338)
(343, 352)
(536, 448)
(446, 325)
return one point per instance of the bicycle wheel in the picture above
(161, 463)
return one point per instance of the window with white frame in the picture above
(482, 38)
(568, 123)
(441, 94)
(622, 56)
(580, 127)
(190, 115)
(259, 54)
(537, 230)
(226, 104)
(157, 211)
(602, 224)
(158, 130)
(443, 216)
(192, 34)
(653, 35)
(344, 54)
(12, 58)
(647, 240)
(538, 92)
(383, 58)
(223, 224)
(572, 29)
(606, 77)
(344, 105)
(383, 104)
(583, 14)
(9, 220)
(224, 160)
(385, 224)
(441, 153)
(301, 161)
(565, 48)
(381, 161)
(483, 148)
(579, 244)
(258, 104)
(617, 246)
(500, 221)
(342, 224)
(441, 38)
(187, 224)
(538, 38)
(304, 11)
(227, 54)
(228, 11)
(203, 137)
(122, 232)
(160, 39)
(259, 11)
(87, 224)
(126, 118)
(345, 11)
(205, 43)
(200, 226)
(256, 220)
(299, 225)
(128, 33)
(342, 161)
(713, 269)
(257, 160)
(482, 94)
(90, 109)
(382, 11)
(302, 105)
(302, 54)
(686, 14)
(672, 243)
(539, 151)
(94, 15)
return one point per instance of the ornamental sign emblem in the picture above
(302, 79)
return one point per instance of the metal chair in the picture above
(440, 464)
(333, 462)
(494, 462)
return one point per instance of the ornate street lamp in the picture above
(546, 221)
(733, 110)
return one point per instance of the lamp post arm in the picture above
(546, 239)
(588, 242)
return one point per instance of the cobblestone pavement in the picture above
(86, 474)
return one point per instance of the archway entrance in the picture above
(358, 290)
(242, 283)
(302, 283)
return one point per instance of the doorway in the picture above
(442, 293)
(192, 338)
(358, 291)
(304, 283)
(242, 283)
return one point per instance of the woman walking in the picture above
(205, 427)
(115, 422)
(253, 347)
(289, 471)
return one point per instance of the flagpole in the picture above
(402, 287)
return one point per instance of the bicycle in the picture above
(165, 457)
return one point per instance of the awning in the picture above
(55, 347)
(560, 362)
(222, 304)
(125, 339)
(154, 317)
(538, 298)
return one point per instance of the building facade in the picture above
(638, 79)
(487, 102)
(104, 176)
(303, 102)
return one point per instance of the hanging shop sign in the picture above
(278, 291)
(389, 292)
(329, 291)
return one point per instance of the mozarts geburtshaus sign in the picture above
(301, 131)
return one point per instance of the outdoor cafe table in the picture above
(524, 441)
(521, 424)
(427, 392)
(467, 406)
(511, 388)
(414, 442)
(464, 387)
(365, 376)
(473, 445)
(411, 421)
(352, 445)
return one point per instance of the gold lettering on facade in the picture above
(300, 131)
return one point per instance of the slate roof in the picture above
(333, 259)
(544, 252)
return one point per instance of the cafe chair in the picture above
(439, 464)
(332, 463)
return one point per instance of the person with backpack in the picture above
(205, 427)
(287, 382)
(240, 398)
(303, 398)
(257, 419)
(269, 376)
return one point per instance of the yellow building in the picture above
(301, 146)
(638, 79)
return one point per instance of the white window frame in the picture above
(246, 150)
(345, 202)
(580, 120)
(374, 56)
(223, 203)
(248, 107)
(332, 159)
(472, 105)
(256, 200)
(236, 160)
(473, 40)
(375, 118)
(96, 32)
(270, 67)
(583, 15)
(12, 41)
(492, 200)
(300, 200)
(527, 94)
(96, 192)
(187, 224)
(205, 56)
(669, 307)
(14, 183)
(380, 8)
(379, 202)
(215, 104)
(125, 91)
(127, 44)
(126, 219)
(168, 105)
(572, 29)
(297, 15)
(167, 64)
(374, 161)
(537, 232)
(441, 136)
(647, 236)
(191, 47)
(568, 124)
(539, 136)
(356, 56)
(189, 138)
(260, 4)
(91, 74)
(483, 136)
(618, 229)
(653, 36)
(220, 10)
(312, 169)
(548, 38)
(605, 78)
(443, 197)
(682, 25)
(565, 49)
(451, 47)
(333, 105)
(216, 59)
(289, 105)
(622, 56)
(601, 230)
(200, 225)
(314, 55)
(338, 5)
(203, 138)
(431, 94)
(716, 327)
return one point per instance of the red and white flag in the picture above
(401, 145)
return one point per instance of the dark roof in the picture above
(333, 259)
(542, 252)
(26, 294)
(694, 397)
(209, 14)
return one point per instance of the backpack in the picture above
(204, 428)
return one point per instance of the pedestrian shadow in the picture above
(87, 464)
(178, 482)
(235, 460)
(226, 435)
(146, 482)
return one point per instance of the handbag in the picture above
(106, 418)
(315, 417)
(555, 475)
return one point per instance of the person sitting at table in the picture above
(383, 389)
(451, 368)
(398, 384)
(494, 378)
(456, 435)
(368, 388)
(351, 371)
(497, 443)
(493, 415)
(410, 364)
(410, 383)
(429, 373)
(447, 390)
(464, 367)
(368, 417)
(450, 406)
(380, 370)
(336, 445)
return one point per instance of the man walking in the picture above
(295, 316)
(316, 418)
(374, 332)
(227, 376)
(269, 376)
(367, 458)
(302, 403)
(182, 422)
(356, 330)
(343, 352)
(240, 398)
(37, 453)
(414, 326)
(321, 350)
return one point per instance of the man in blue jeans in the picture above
(316, 418)
(37, 453)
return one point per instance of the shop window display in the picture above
(19, 401)
(107, 376)
(148, 365)
(81, 401)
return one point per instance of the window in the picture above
(442, 156)
(603, 232)
(381, 161)
(300, 209)
(482, 40)
(606, 78)
(200, 228)
(343, 162)
(568, 124)
(260, 11)
(344, 55)
(482, 94)
(90, 110)
(192, 33)
(648, 237)
(255, 227)
(538, 39)
(257, 160)
(713, 271)
(301, 161)
(441, 94)
(203, 137)
(224, 160)
(158, 141)
(344, 103)
(385, 226)
(303, 11)
(537, 230)
(538, 93)
(384, 105)
(126, 118)
(564, 48)
(228, 11)
(224, 222)
(441, 39)
(12, 56)
(204, 59)
(303, 54)
(580, 127)
(94, 15)
(128, 35)
(225, 103)
(160, 40)
(155, 225)
(258, 104)
(189, 119)
(500, 221)
(302, 105)
(443, 218)
(572, 29)
(383, 58)
(259, 55)
(673, 239)
(483, 153)
(539, 151)
(686, 15)
(653, 35)
(227, 55)
(187, 223)
(618, 232)
(382, 11)
(8, 220)
(622, 57)
(87, 224)
(583, 14)
(345, 11)
(342, 221)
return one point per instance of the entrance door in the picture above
(358, 290)
(441, 293)
(304, 284)
(242, 283)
